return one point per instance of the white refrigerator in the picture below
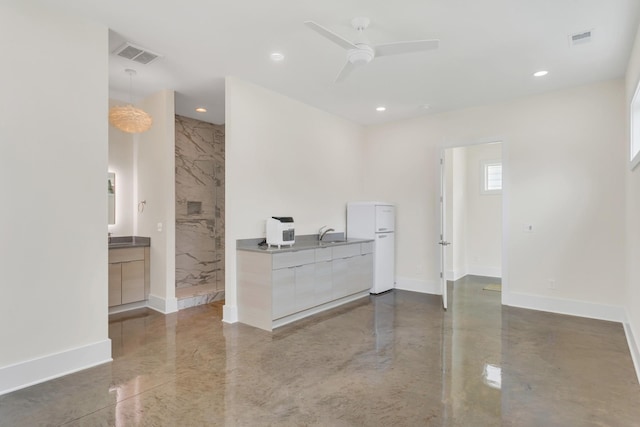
(376, 220)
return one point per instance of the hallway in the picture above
(394, 359)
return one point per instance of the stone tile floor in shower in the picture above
(392, 360)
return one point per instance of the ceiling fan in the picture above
(361, 52)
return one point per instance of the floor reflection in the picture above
(392, 359)
(475, 319)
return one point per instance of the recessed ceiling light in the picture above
(201, 110)
(425, 106)
(540, 73)
(381, 108)
(277, 56)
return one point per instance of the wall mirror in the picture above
(111, 197)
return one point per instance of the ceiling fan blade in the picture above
(346, 70)
(398, 48)
(339, 40)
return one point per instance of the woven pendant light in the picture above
(128, 118)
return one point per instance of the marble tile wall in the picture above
(199, 204)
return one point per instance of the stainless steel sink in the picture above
(331, 242)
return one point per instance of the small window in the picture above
(491, 177)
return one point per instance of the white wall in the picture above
(284, 158)
(154, 159)
(562, 157)
(121, 163)
(53, 220)
(483, 215)
(632, 294)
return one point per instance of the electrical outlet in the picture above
(160, 226)
(552, 284)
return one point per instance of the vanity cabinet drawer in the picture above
(126, 255)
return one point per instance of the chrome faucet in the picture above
(322, 233)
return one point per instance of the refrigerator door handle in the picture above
(383, 236)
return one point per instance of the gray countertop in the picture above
(129, 242)
(303, 242)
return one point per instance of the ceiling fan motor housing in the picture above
(362, 55)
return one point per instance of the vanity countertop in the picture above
(129, 242)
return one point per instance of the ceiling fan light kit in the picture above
(361, 52)
(360, 56)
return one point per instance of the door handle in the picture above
(443, 243)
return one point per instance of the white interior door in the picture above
(443, 230)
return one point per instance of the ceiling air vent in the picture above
(581, 38)
(136, 53)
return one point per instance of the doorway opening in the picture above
(472, 217)
(199, 204)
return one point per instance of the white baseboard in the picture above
(454, 275)
(164, 306)
(35, 371)
(478, 270)
(230, 313)
(127, 307)
(423, 286)
(633, 344)
(590, 310)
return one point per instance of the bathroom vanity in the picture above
(129, 263)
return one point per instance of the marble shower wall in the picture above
(199, 203)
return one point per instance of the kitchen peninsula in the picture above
(277, 286)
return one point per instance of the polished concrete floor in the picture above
(392, 360)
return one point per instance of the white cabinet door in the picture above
(340, 278)
(115, 284)
(305, 284)
(365, 272)
(132, 281)
(283, 288)
(323, 282)
(354, 275)
(360, 273)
